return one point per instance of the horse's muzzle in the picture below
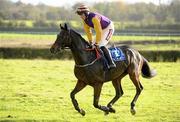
(54, 50)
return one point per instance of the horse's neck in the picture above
(78, 49)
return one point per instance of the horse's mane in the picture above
(86, 42)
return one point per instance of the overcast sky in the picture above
(71, 2)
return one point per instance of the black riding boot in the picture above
(108, 57)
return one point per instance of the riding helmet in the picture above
(82, 9)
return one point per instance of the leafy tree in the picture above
(175, 10)
(140, 14)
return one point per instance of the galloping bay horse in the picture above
(89, 69)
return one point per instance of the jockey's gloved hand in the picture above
(98, 48)
(96, 45)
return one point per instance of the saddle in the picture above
(117, 54)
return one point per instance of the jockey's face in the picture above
(83, 16)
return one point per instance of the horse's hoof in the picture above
(82, 112)
(106, 112)
(112, 110)
(133, 111)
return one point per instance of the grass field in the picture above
(36, 90)
(45, 41)
(13, 36)
(157, 47)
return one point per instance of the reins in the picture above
(98, 56)
(96, 50)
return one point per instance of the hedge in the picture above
(33, 53)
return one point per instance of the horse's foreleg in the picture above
(119, 92)
(97, 92)
(79, 86)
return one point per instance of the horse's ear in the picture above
(61, 26)
(65, 26)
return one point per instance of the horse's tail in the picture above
(146, 71)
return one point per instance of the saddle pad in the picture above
(117, 54)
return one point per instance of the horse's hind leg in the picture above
(119, 92)
(79, 86)
(135, 79)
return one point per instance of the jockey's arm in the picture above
(88, 32)
(97, 28)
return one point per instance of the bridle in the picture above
(67, 45)
(68, 39)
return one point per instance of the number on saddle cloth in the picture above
(117, 54)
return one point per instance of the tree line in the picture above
(140, 13)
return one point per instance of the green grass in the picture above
(30, 40)
(144, 38)
(26, 40)
(39, 90)
(14, 36)
(157, 47)
(35, 37)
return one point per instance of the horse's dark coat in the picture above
(90, 71)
